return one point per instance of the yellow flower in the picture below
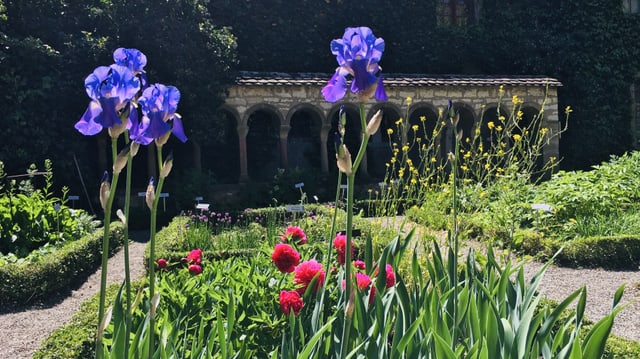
(393, 160)
(552, 159)
(514, 99)
(414, 181)
(399, 122)
(517, 137)
(500, 170)
(467, 155)
(433, 160)
(423, 118)
(414, 128)
(487, 166)
(387, 164)
(568, 110)
(419, 139)
(409, 99)
(483, 194)
(464, 168)
(390, 131)
(544, 130)
(500, 152)
(519, 114)
(502, 118)
(405, 148)
(499, 128)
(491, 125)
(501, 89)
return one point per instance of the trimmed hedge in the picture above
(55, 272)
(618, 252)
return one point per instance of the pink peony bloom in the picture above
(362, 280)
(195, 269)
(291, 300)
(162, 263)
(294, 234)
(340, 243)
(194, 257)
(359, 264)
(304, 274)
(285, 257)
(391, 276)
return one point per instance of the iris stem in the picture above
(349, 245)
(152, 248)
(127, 274)
(105, 252)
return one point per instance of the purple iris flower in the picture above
(134, 59)
(111, 88)
(358, 54)
(159, 104)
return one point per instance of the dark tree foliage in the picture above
(50, 46)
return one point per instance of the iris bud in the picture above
(121, 216)
(116, 130)
(166, 166)
(374, 123)
(151, 194)
(135, 146)
(105, 189)
(121, 160)
(160, 141)
(343, 158)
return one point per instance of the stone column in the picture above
(324, 156)
(243, 130)
(284, 135)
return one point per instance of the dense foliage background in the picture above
(48, 47)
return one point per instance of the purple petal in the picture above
(134, 59)
(87, 124)
(381, 94)
(336, 88)
(362, 79)
(178, 130)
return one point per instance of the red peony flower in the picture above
(285, 257)
(391, 276)
(195, 269)
(291, 300)
(304, 274)
(194, 257)
(362, 280)
(162, 263)
(340, 243)
(359, 264)
(294, 234)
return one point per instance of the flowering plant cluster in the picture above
(193, 261)
(311, 273)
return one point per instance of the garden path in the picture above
(23, 329)
(559, 282)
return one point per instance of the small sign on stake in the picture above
(300, 185)
(295, 208)
(202, 206)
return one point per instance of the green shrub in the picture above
(620, 252)
(54, 272)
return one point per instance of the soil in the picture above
(23, 329)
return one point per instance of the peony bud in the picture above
(121, 160)
(151, 194)
(166, 166)
(343, 158)
(105, 189)
(374, 123)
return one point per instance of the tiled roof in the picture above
(394, 80)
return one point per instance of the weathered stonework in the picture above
(282, 95)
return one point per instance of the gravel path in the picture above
(22, 330)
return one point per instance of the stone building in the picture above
(283, 121)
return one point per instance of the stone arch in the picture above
(352, 132)
(492, 119)
(466, 126)
(425, 116)
(304, 148)
(379, 150)
(263, 123)
(223, 151)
